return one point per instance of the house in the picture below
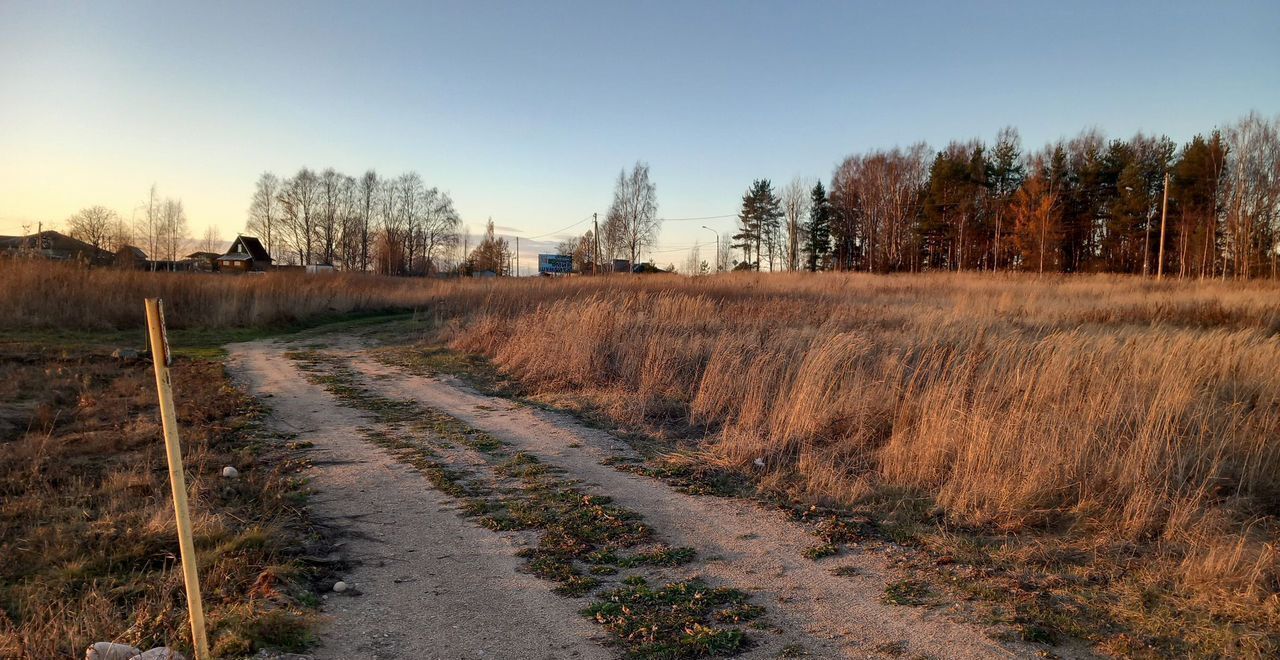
(131, 257)
(204, 261)
(55, 247)
(245, 254)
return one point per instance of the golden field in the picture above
(1114, 430)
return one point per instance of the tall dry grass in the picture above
(40, 294)
(1137, 416)
(1143, 413)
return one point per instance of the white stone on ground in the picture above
(110, 651)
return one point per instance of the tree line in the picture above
(390, 225)
(158, 226)
(1087, 204)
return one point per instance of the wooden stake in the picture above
(178, 482)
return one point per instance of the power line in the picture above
(705, 217)
(552, 233)
(589, 217)
(677, 249)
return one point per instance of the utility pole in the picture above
(517, 256)
(595, 235)
(1164, 214)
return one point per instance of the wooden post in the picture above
(178, 482)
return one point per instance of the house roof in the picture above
(234, 256)
(54, 241)
(203, 255)
(133, 250)
(252, 246)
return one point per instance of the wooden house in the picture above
(131, 257)
(245, 254)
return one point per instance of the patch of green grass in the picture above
(660, 556)
(679, 620)
(694, 478)
(906, 592)
(819, 551)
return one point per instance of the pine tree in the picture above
(759, 223)
(748, 236)
(1005, 174)
(1193, 207)
(818, 230)
(769, 206)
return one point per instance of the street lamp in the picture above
(717, 245)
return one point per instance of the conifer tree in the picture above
(818, 229)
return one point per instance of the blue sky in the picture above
(526, 111)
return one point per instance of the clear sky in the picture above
(525, 111)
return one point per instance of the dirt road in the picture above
(430, 582)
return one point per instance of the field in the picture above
(86, 529)
(1112, 440)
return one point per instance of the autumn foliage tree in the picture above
(492, 254)
(1037, 227)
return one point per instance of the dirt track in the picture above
(432, 584)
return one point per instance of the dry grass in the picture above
(86, 526)
(1135, 419)
(1117, 433)
(38, 294)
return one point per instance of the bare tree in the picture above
(264, 211)
(367, 194)
(724, 252)
(795, 206)
(173, 223)
(299, 199)
(412, 205)
(439, 229)
(1252, 203)
(351, 220)
(93, 225)
(633, 216)
(329, 224)
(694, 265)
(390, 254)
(149, 229)
(212, 240)
(121, 234)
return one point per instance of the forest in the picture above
(1142, 205)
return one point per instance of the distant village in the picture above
(245, 254)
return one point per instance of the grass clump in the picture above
(906, 592)
(819, 551)
(686, 619)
